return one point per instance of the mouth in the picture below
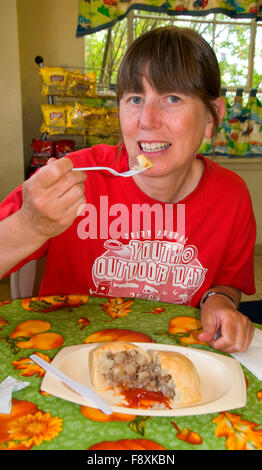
(152, 147)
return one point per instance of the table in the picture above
(40, 421)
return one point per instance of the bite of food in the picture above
(143, 162)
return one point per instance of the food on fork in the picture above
(146, 379)
(143, 162)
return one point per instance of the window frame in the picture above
(194, 19)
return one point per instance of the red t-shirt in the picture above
(126, 244)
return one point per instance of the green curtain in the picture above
(240, 132)
(95, 15)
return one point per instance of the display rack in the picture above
(97, 113)
(77, 109)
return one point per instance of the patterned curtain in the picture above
(95, 15)
(240, 133)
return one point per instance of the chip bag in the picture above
(43, 148)
(112, 120)
(39, 161)
(63, 147)
(54, 80)
(102, 139)
(78, 118)
(54, 118)
(98, 121)
(81, 85)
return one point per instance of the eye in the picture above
(135, 99)
(173, 99)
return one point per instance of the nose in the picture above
(149, 117)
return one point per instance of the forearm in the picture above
(17, 241)
(235, 294)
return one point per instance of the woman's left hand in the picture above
(235, 329)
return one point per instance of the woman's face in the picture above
(168, 128)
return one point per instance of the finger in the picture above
(206, 336)
(51, 194)
(52, 172)
(59, 207)
(70, 214)
(235, 340)
(50, 160)
(209, 330)
(247, 336)
(71, 196)
(64, 184)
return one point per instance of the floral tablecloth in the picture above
(41, 421)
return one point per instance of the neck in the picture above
(173, 187)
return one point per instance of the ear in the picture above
(219, 106)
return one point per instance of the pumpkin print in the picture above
(97, 415)
(128, 444)
(116, 334)
(50, 303)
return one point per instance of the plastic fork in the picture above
(125, 174)
(76, 386)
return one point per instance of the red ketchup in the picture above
(141, 398)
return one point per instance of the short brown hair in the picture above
(173, 60)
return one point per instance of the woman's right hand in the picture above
(51, 198)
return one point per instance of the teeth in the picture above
(154, 147)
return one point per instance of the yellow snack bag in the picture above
(81, 85)
(54, 80)
(54, 118)
(78, 116)
(98, 121)
(113, 120)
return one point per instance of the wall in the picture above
(250, 171)
(46, 28)
(11, 137)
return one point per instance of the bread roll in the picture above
(184, 375)
(120, 366)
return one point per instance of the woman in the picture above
(181, 232)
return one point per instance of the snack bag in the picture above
(54, 118)
(112, 120)
(101, 139)
(43, 148)
(98, 121)
(63, 147)
(54, 80)
(81, 85)
(78, 116)
(39, 161)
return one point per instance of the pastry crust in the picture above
(184, 375)
(143, 161)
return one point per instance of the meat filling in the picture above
(130, 369)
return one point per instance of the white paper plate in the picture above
(222, 381)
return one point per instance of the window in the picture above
(237, 44)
